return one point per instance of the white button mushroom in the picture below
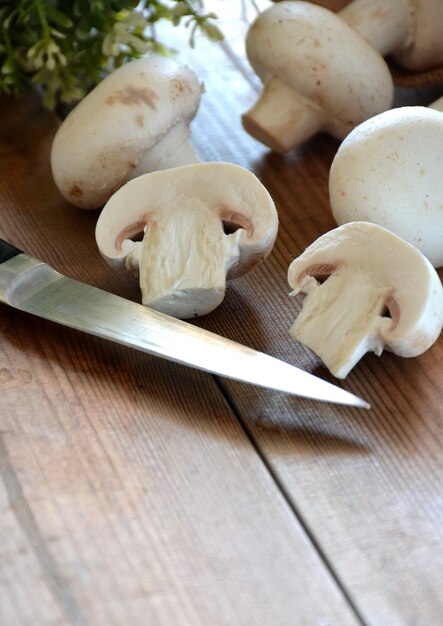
(202, 224)
(380, 292)
(135, 121)
(409, 30)
(389, 171)
(319, 74)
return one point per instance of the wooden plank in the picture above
(130, 494)
(368, 486)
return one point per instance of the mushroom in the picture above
(135, 121)
(318, 72)
(409, 30)
(367, 290)
(202, 224)
(389, 171)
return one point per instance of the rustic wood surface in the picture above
(139, 492)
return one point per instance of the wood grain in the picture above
(368, 487)
(130, 493)
(135, 491)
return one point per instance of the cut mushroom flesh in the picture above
(380, 292)
(188, 274)
(201, 224)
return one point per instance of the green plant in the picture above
(66, 46)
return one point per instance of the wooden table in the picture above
(138, 492)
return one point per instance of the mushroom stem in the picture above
(281, 117)
(172, 150)
(192, 279)
(387, 26)
(340, 320)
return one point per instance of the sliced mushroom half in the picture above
(187, 230)
(367, 289)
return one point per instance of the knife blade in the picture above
(32, 286)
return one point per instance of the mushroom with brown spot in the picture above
(318, 74)
(135, 121)
(200, 224)
(366, 290)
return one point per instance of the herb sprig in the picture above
(66, 46)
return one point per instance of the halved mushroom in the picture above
(201, 225)
(135, 121)
(367, 290)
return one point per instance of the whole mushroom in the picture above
(318, 74)
(408, 30)
(389, 171)
(200, 225)
(367, 290)
(135, 121)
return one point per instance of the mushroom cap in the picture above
(232, 192)
(109, 132)
(424, 50)
(389, 171)
(410, 286)
(323, 59)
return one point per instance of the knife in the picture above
(31, 285)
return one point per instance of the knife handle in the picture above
(7, 251)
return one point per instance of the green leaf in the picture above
(57, 17)
(67, 46)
